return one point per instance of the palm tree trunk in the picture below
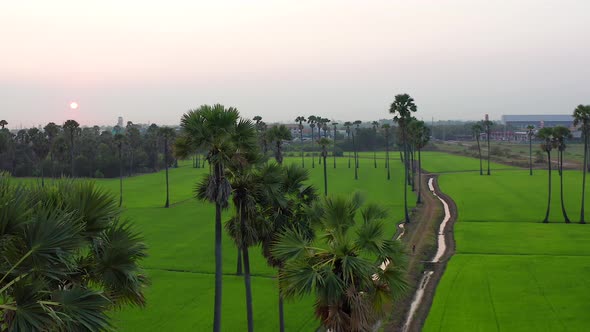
(166, 165)
(488, 137)
(530, 155)
(356, 173)
(319, 155)
(218, 256)
(334, 150)
(239, 267)
(419, 177)
(406, 164)
(247, 281)
(301, 138)
(375, 156)
(585, 164)
(325, 153)
(312, 153)
(413, 168)
(120, 178)
(480, 162)
(349, 150)
(546, 220)
(565, 217)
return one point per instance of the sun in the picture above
(74, 105)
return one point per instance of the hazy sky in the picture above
(153, 60)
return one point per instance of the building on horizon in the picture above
(538, 121)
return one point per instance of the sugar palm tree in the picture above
(278, 134)
(324, 142)
(70, 258)
(321, 123)
(72, 129)
(261, 131)
(357, 123)
(335, 126)
(487, 125)
(119, 139)
(530, 132)
(421, 138)
(477, 129)
(222, 133)
(287, 209)
(375, 125)
(301, 120)
(168, 135)
(386, 127)
(561, 134)
(546, 135)
(402, 107)
(582, 118)
(347, 125)
(353, 270)
(311, 121)
(3, 123)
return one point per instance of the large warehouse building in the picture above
(539, 121)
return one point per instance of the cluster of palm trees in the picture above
(478, 128)
(68, 258)
(273, 205)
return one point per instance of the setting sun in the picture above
(74, 105)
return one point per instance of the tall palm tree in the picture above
(3, 123)
(334, 124)
(422, 137)
(403, 106)
(357, 123)
(168, 135)
(288, 208)
(487, 125)
(72, 128)
(278, 134)
(386, 127)
(222, 133)
(353, 290)
(322, 122)
(347, 125)
(546, 134)
(582, 118)
(324, 142)
(301, 120)
(311, 121)
(530, 132)
(261, 131)
(561, 134)
(375, 125)
(119, 138)
(477, 129)
(71, 259)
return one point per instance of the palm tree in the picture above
(422, 137)
(70, 260)
(353, 290)
(546, 134)
(487, 125)
(261, 131)
(119, 138)
(386, 127)
(322, 122)
(477, 129)
(311, 120)
(52, 131)
(301, 120)
(335, 124)
(72, 128)
(582, 117)
(3, 123)
(287, 208)
(168, 135)
(324, 142)
(403, 106)
(530, 131)
(375, 125)
(561, 134)
(357, 123)
(278, 134)
(222, 133)
(347, 125)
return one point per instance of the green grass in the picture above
(511, 272)
(181, 248)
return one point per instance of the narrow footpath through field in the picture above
(429, 239)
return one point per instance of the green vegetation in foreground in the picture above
(181, 251)
(511, 272)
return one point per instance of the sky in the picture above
(151, 61)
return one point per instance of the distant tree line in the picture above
(71, 150)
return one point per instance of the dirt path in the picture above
(428, 260)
